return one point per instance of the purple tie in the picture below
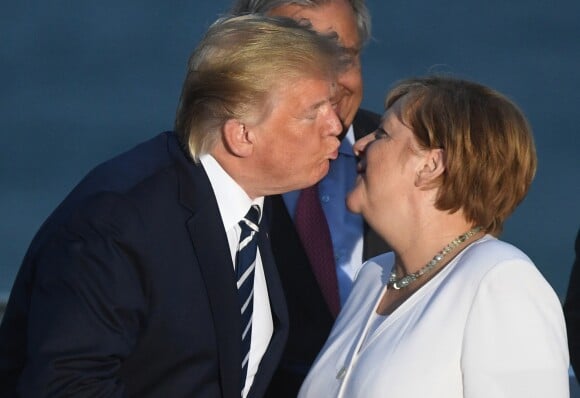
(314, 234)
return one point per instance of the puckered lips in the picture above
(334, 154)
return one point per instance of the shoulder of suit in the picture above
(494, 249)
(143, 164)
(490, 256)
(134, 175)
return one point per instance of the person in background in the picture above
(318, 244)
(452, 312)
(572, 311)
(155, 277)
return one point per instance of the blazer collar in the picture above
(210, 243)
(209, 239)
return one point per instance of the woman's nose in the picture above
(360, 145)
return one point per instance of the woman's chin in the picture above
(353, 202)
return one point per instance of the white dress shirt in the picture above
(234, 203)
(346, 228)
(488, 325)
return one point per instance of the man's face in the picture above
(335, 16)
(294, 142)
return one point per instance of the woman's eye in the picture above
(380, 133)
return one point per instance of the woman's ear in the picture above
(431, 168)
(237, 138)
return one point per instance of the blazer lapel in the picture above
(213, 257)
(275, 292)
(209, 240)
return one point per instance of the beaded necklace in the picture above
(404, 281)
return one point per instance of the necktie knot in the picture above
(251, 221)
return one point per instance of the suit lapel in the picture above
(209, 240)
(277, 301)
(210, 244)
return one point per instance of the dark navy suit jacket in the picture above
(128, 290)
(310, 318)
(572, 310)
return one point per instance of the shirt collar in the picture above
(347, 143)
(233, 202)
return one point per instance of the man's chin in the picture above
(314, 178)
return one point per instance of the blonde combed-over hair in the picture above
(236, 67)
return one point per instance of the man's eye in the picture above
(311, 114)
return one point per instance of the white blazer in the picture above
(487, 326)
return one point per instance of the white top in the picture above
(346, 228)
(234, 203)
(487, 326)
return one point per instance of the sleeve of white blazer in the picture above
(515, 337)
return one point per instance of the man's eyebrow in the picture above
(318, 104)
(315, 106)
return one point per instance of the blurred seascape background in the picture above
(83, 81)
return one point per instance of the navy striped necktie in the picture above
(245, 266)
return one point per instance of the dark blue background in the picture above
(83, 81)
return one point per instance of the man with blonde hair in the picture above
(155, 277)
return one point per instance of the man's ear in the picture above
(430, 168)
(237, 138)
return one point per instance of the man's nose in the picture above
(334, 123)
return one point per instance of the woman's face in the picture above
(390, 159)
